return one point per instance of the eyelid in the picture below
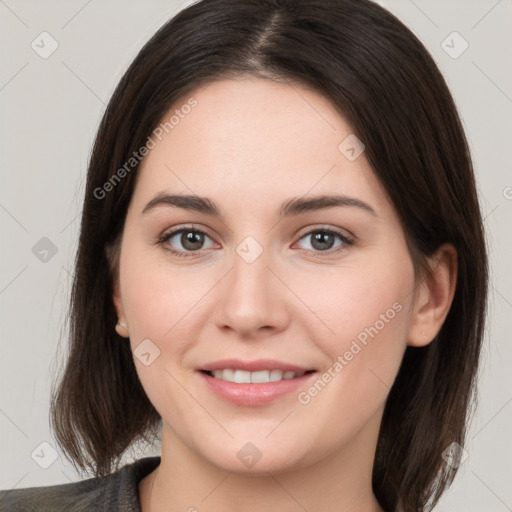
(344, 233)
(189, 226)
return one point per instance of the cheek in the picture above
(160, 298)
(165, 304)
(361, 322)
(162, 306)
(354, 301)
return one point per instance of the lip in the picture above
(253, 395)
(254, 366)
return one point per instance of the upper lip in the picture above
(254, 366)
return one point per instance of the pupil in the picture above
(192, 240)
(322, 239)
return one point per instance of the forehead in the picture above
(251, 140)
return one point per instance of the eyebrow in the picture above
(291, 207)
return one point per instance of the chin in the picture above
(257, 457)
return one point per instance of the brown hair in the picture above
(386, 85)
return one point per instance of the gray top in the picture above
(117, 491)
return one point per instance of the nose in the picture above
(253, 301)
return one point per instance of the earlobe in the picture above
(122, 328)
(434, 297)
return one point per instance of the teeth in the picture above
(242, 377)
(259, 377)
(275, 375)
(262, 376)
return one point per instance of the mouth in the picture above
(258, 377)
(254, 383)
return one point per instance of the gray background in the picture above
(50, 110)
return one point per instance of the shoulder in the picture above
(117, 491)
(77, 496)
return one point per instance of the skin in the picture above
(249, 145)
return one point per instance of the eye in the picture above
(189, 239)
(322, 240)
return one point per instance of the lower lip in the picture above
(253, 395)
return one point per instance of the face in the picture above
(323, 293)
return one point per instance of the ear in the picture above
(118, 303)
(112, 251)
(433, 297)
(121, 326)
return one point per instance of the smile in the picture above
(253, 383)
(258, 377)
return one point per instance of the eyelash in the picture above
(347, 241)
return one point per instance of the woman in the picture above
(281, 266)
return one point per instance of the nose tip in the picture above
(250, 299)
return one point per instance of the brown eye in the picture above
(323, 240)
(191, 240)
(187, 240)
